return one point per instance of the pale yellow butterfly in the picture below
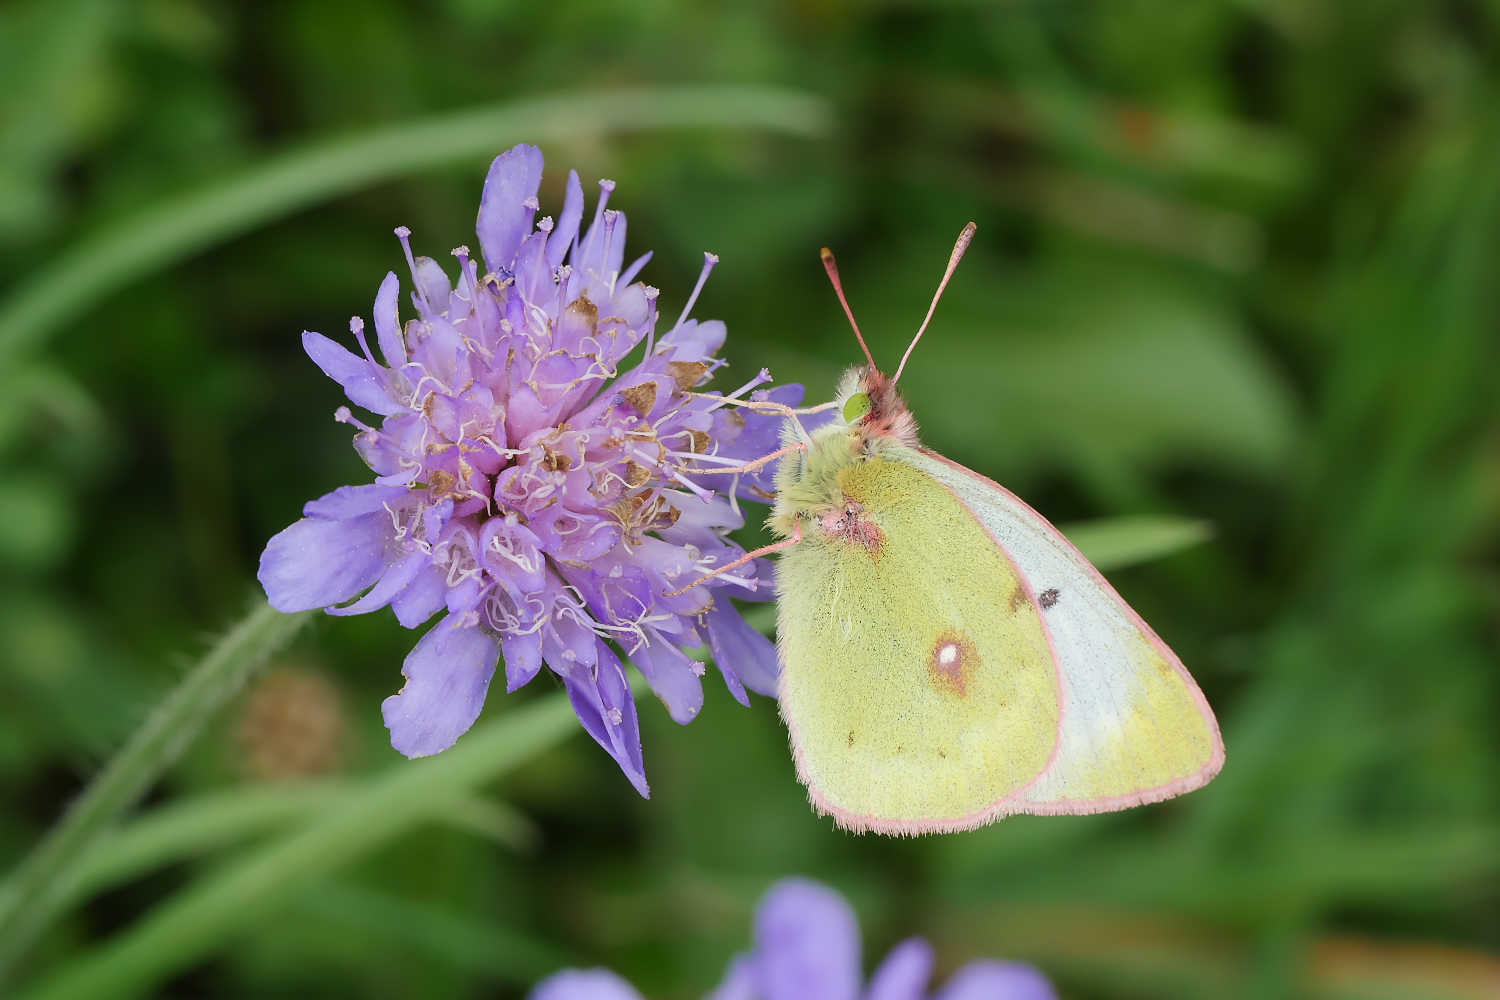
(947, 656)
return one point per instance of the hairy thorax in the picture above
(819, 492)
(814, 489)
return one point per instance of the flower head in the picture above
(541, 498)
(807, 948)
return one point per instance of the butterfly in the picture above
(948, 658)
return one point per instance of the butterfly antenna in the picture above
(964, 239)
(832, 267)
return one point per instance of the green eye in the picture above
(857, 406)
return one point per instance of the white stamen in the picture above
(709, 260)
(706, 495)
(404, 235)
(652, 315)
(605, 187)
(357, 327)
(762, 377)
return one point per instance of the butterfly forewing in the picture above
(918, 681)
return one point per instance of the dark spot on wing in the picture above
(952, 661)
(1048, 598)
(851, 737)
(1018, 599)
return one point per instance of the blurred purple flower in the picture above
(807, 948)
(530, 490)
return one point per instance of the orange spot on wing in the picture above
(952, 662)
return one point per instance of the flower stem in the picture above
(43, 882)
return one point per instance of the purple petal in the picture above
(602, 701)
(447, 675)
(904, 974)
(584, 984)
(388, 321)
(433, 284)
(443, 352)
(742, 651)
(628, 275)
(738, 982)
(525, 415)
(588, 260)
(420, 599)
(352, 501)
(504, 218)
(671, 675)
(732, 682)
(806, 944)
(561, 239)
(696, 341)
(566, 640)
(362, 381)
(523, 658)
(401, 573)
(987, 979)
(510, 552)
(533, 276)
(316, 563)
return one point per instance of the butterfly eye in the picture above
(857, 406)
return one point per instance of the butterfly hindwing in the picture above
(918, 681)
(1135, 726)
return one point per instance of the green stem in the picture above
(44, 881)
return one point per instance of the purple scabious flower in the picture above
(541, 498)
(807, 948)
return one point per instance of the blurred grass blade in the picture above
(162, 234)
(486, 817)
(218, 820)
(199, 826)
(45, 879)
(462, 941)
(1117, 542)
(193, 923)
(53, 55)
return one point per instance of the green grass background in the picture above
(1236, 263)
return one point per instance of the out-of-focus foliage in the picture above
(1236, 265)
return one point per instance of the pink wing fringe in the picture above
(1011, 805)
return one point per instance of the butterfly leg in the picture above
(752, 466)
(766, 406)
(747, 557)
